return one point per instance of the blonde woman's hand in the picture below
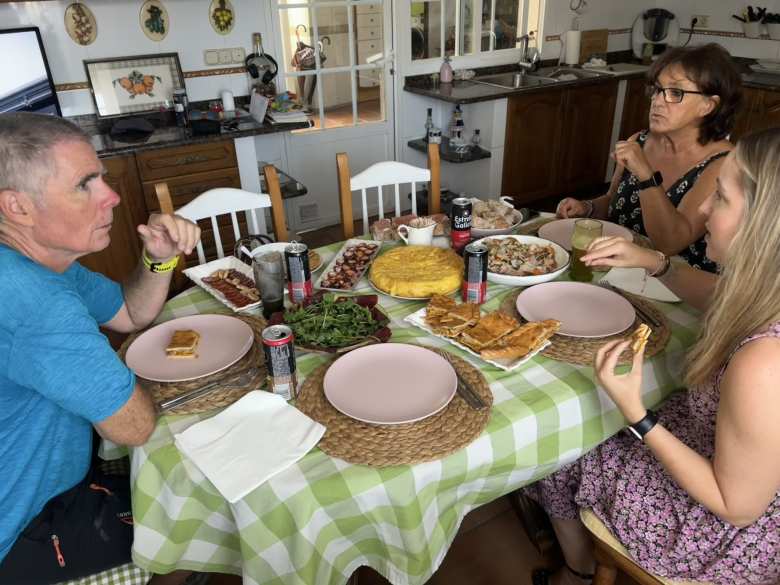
(625, 390)
(616, 251)
(570, 207)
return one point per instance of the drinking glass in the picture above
(585, 231)
(269, 279)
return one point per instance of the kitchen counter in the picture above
(166, 135)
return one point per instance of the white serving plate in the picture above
(418, 320)
(561, 257)
(197, 273)
(483, 232)
(332, 263)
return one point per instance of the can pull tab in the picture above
(55, 541)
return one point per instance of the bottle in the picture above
(181, 107)
(428, 124)
(445, 73)
(476, 140)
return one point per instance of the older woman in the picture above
(664, 173)
(698, 497)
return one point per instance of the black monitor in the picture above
(25, 79)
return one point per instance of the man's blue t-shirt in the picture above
(58, 375)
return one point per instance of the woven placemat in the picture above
(225, 395)
(582, 351)
(430, 439)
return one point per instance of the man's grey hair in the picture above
(26, 141)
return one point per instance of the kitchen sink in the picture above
(513, 80)
(566, 73)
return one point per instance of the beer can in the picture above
(475, 259)
(296, 256)
(279, 350)
(460, 222)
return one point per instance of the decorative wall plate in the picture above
(80, 24)
(222, 16)
(154, 20)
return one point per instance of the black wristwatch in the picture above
(655, 181)
(642, 427)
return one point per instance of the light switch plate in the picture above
(211, 57)
(238, 55)
(225, 56)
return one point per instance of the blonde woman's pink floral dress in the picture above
(663, 528)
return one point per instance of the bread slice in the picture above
(522, 341)
(183, 344)
(639, 337)
(489, 330)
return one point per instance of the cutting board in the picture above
(593, 41)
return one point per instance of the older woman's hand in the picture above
(625, 390)
(629, 154)
(615, 251)
(570, 207)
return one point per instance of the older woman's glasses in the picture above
(672, 95)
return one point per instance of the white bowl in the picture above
(484, 232)
(561, 257)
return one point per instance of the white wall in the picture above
(119, 34)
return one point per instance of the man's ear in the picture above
(16, 207)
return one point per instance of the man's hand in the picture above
(630, 155)
(166, 236)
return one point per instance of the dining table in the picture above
(319, 520)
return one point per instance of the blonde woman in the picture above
(698, 497)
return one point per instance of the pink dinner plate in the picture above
(390, 384)
(584, 310)
(560, 230)
(223, 341)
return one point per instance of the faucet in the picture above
(529, 57)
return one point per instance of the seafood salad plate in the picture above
(524, 260)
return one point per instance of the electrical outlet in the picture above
(211, 57)
(238, 54)
(225, 56)
(702, 20)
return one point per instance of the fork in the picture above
(468, 394)
(644, 315)
(240, 379)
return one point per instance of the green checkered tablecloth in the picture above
(321, 519)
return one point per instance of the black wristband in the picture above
(642, 427)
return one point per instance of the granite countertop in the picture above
(168, 135)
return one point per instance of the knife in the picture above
(463, 389)
(240, 379)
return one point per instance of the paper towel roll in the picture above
(228, 104)
(571, 44)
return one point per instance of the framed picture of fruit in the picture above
(134, 85)
(222, 16)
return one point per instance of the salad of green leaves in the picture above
(331, 322)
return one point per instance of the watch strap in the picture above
(642, 427)
(655, 180)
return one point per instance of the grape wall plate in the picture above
(222, 16)
(154, 20)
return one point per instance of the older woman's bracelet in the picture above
(666, 263)
(591, 207)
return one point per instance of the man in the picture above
(59, 378)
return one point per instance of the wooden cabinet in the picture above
(636, 108)
(557, 141)
(760, 109)
(119, 259)
(188, 170)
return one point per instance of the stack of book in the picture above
(285, 111)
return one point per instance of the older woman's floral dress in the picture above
(664, 529)
(626, 210)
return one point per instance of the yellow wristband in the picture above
(159, 267)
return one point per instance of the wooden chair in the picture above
(611, 557)
(228, 201)
(384, 174)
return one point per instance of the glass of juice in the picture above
(585, 231)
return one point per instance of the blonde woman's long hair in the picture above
(747, 296)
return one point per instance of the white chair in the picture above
(229, 201)
(382, 174)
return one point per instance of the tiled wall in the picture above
(119, 34)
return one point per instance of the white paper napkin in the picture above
(636, 281)
(249, 442)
